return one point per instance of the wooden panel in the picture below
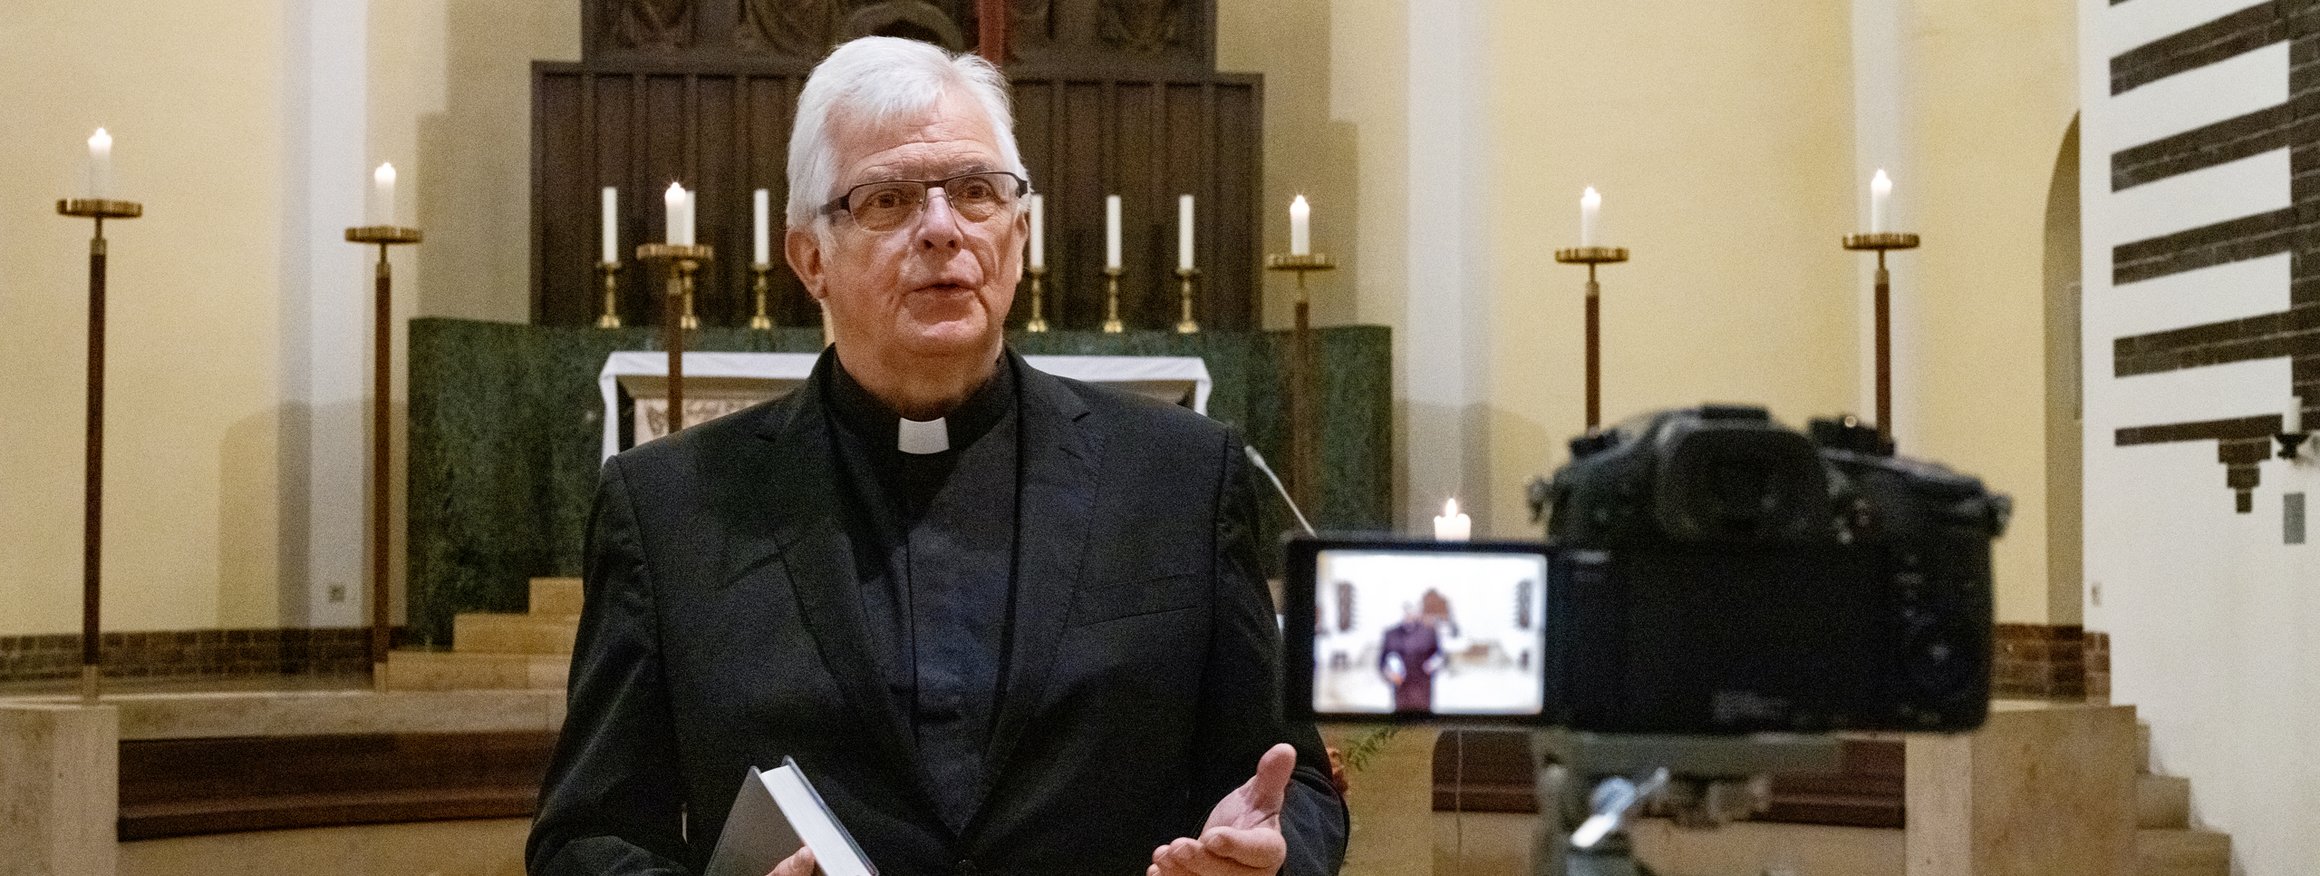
(180, 787)
(724, 132)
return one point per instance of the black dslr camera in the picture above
(1706, 571)
(1721, 573)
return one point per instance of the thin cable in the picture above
(1259, 459)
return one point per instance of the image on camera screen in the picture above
(1428, 632)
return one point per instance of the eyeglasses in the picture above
(888, 205)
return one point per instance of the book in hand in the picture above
(776, 812)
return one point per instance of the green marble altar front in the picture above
(506, 428)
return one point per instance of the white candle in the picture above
(100, 181)
(1038, 232)
(692, 216)
(1590, 215)
(1300, 227)
(1111, 231)
(673, 214)
(2292, 419)
(762, 202)
(611, 225)
(1453, 526)
(1880, 198)
(1184, 232)
(383, 195)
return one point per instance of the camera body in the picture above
(1706, 571)
(1721, 573)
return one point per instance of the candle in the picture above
(2292, 419)
(692, 198)
(764, 229)
(1038, 232)
(1112, 232)
(1184, 232)
(383, 195)
(1453, 526)
(1880, 199)
(673, 214)
(611, 225)
(1590, 215)
(1300, 227)
(100, 181)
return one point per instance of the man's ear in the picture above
(804, 252)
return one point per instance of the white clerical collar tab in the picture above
(921, 438)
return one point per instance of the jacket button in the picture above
(964, 867)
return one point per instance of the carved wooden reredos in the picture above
(1111, 97)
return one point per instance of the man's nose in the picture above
(938, 225)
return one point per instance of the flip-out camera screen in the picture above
(1428, 629)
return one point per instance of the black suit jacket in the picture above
(723, 629)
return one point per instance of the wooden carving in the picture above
(651, 24)
(1145, 27)
(794, 28)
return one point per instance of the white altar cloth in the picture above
(755, 377)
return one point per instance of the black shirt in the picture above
(934, 549)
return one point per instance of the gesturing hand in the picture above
(799, 864)
(1243, 834)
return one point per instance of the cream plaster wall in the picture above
(192, 95)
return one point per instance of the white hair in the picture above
(870, 81)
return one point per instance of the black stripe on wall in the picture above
(2295, 332)
(2244, 31)
(2248, 237)
(2226, 141)
(2242, 427)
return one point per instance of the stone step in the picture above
(2182, 853)
(2142, 747)
(514, 633)
(450, 670)
(556, 596)
(2162, 802)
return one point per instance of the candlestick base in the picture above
(1038, 321)
(1112, 323)
(100, 208)
(1591, 255)
(2291, 444)
(1186, 325)
(386, 235)
(760, 320)
(1880, 240)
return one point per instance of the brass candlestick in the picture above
(93, 485)
(1112, 323)
(1038, 321)
(761, 320)
(382, 429)
(1304, 460)
(1879, 242)
(610, 272)
(683, 260)
(1592, 256)
(1186, 325)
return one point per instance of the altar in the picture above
(510, 422)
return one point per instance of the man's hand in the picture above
(799, 864)
(1243, 834)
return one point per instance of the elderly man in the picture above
(1007, 622)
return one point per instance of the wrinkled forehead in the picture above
(949, 137)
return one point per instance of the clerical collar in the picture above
(879, 426)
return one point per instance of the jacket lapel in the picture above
(783, 505)
(1059, 465)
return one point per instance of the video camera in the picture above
(1706, 571)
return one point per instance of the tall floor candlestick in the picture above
(1112, 323)
(382, 431)
(93, 486)
(1304, 456)
(1879, 242)
(683, 260)
(1592, 256)
(1038, 321)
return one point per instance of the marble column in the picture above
(60, 789)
